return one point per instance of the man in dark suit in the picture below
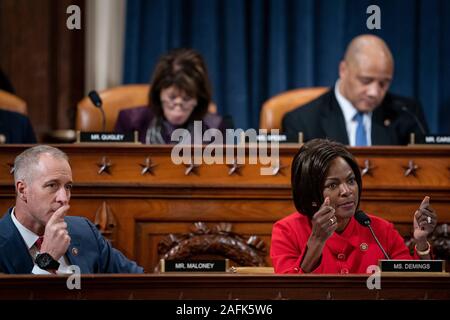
(37, 237)
(15, 128)
(359, 110)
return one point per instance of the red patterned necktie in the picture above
(38, 243)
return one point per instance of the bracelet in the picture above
(425, 252)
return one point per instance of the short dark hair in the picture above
(186, 70)
(309, 170)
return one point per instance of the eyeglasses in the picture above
(186, 104)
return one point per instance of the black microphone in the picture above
(364, 220)
(97, 101)
(402, 107)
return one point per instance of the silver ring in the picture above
(429, 219)
(332, 220)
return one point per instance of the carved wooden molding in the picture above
(105, 222)
(219, 241)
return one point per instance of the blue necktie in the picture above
(361, 138)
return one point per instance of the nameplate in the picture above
(194, 265)
(272, 137)
(433, 139)
(105, 137)
(412, 265)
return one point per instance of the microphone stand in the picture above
(378, 242)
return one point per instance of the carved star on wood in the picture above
(278, 168)
(104, 166)
(411, 169)
(191, 168)
(367, 169)
(235, 168)
(147, 166)
(11, 167)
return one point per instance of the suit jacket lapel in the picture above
(15, 248)
(333, 122)
(75, 253)
(381, 131)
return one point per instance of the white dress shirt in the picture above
(349, 112)
(30, 239)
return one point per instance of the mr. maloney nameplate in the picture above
(194, 265)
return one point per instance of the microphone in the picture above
(402, 107)
(97, 102)
(364, 220)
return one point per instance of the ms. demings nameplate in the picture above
(412, 265)
(105, 137)
(194, 265)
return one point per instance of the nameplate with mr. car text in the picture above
(194, 265)
(106, 137)
(433, 139)
(412, 265)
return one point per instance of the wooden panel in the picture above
(149, 234)
(148, 207)
(227, 287)
(43, 59)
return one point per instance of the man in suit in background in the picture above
(359, 111)
(15, 128)
(37, 237)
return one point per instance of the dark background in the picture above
(254, 49)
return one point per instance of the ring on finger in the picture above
(429, 219)
(333, 220)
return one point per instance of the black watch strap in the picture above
(46, 262)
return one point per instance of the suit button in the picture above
(341, 256)
(344, 271)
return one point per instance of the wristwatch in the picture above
(46, 262)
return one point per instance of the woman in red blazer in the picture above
(323, 236)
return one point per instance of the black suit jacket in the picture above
(16, 127)
(323, 118)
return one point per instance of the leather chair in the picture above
(275, 108)
(89, 117)
(11, 102)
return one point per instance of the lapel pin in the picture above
(74, 251)
(364, 246)
(387, 122)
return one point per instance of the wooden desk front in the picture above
(138, 210)
(226, 287)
